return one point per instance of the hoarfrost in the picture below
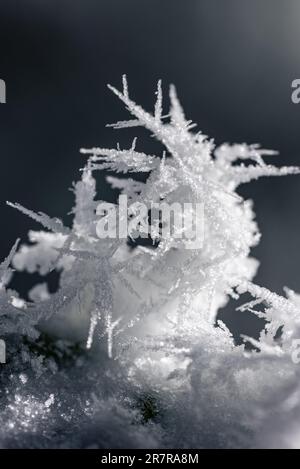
(129, 351)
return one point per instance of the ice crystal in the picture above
(147, 316)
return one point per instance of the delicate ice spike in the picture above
(268, 297)
(142, 116)
(122, 160)
(125, 124)
(168, 135)
(242, 175)
(125, 86)
(95, 318)
(6, 263)
(133, 144)
(53, 224)
(158, 104)
(176, 111)
(110, 327)
(263, 347)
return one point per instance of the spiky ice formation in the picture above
(153, 310)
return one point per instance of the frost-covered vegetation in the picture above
(129, 352)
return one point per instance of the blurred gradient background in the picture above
(232, 61)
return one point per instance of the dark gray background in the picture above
(232, 61)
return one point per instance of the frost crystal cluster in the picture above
(129, 352)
